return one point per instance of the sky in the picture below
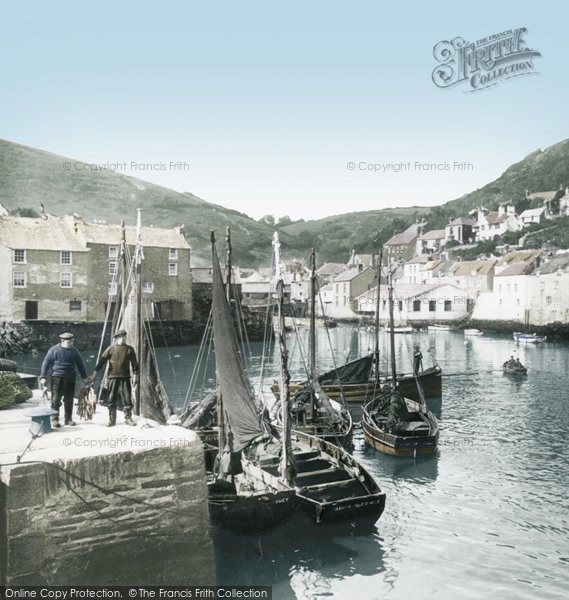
(291, 109)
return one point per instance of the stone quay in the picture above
(101, 505)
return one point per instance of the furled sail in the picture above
(356, 371)
(241, 419)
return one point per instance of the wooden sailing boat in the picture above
(241, 499)
(397, 425)
(331, 485)
(312, 411)
(356, 382)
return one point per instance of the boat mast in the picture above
(228, 264)
(376, 327)
(312, 331)
(391, 332)
(220, 421)
(138, 295)
(286, 467)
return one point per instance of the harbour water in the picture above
(486, 516)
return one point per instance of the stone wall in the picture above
(123, 518)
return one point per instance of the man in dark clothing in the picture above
(417, 360)
(63, 359)
(121, 358)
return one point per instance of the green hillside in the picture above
(29, 176)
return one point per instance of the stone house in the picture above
(459, 230)
(402, 246)
(63, 269)
(346, 288)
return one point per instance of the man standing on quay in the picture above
(121, 358)
(63, 358)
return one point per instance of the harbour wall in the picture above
(119, 517)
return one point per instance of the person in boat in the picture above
(417, 360)
(397, 413)
(518, 364)
(63, 359)
(121, 358)
(511, 363)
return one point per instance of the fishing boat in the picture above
(529, 338)
(312, 411)
(241, 498)
(473, 332)
(440, 327)
(330, 484)
(403, 329)
(358, 380)
(397, 425)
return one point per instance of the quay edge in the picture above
(97, 506)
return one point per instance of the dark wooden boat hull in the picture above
(403, 444)
(397, 445)
(253, 514)
(430, 380)
(331, 485)
(508, 371)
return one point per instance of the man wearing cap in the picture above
(63, 359)
(121, 358)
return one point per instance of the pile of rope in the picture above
(87, 403)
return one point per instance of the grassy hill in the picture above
(29, 176)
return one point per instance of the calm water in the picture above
(487, 516)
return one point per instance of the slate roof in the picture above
(519, 268)
(470, 267)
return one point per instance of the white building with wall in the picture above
(418, 304)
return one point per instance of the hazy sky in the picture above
(265, 105)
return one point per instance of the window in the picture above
(65, 257)
(113, 267)
(20, 256)
(148, 287)
(113, 251)
(20, 279)
(113, 288)
(515, 287)
(75, 305)
(556, 285)
(448, 305)
(65, 280)
(172, 269)
(432, 305)
(416, 305)
(173, 254)
(548, 299)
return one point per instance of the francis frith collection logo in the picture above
(484, 63)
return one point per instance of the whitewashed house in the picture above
(490, 224)
(548, 301)
(511, 296)
(431, 242)
(419, 270)
(532, 215)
